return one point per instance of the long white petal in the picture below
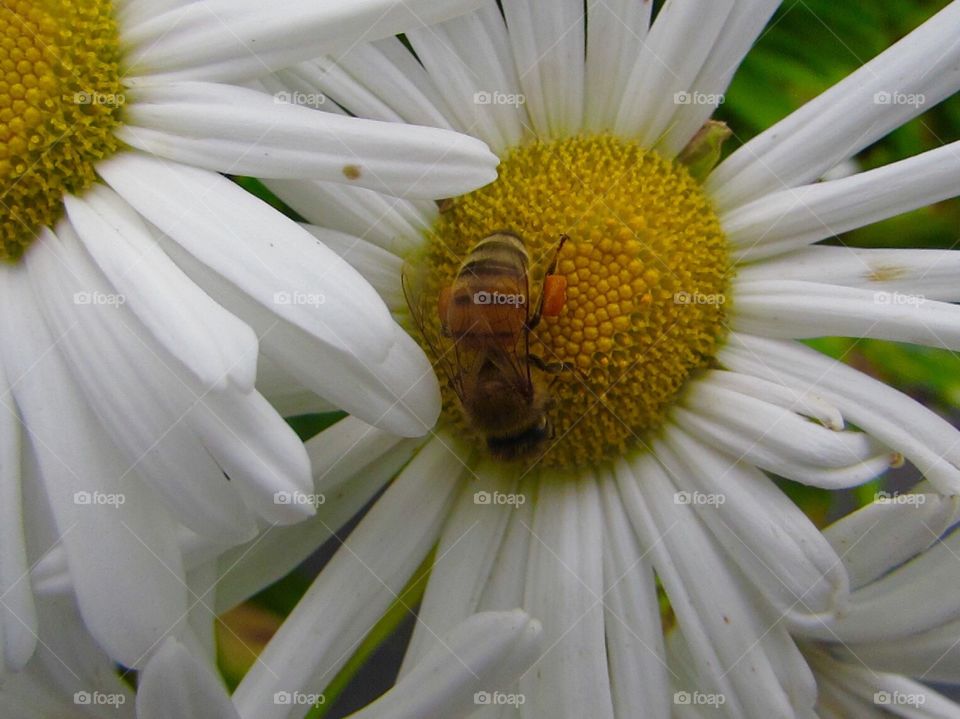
(18, 616)
(504, 589)
(921, 274)
(356, 587)
(638, 670)
(175, 684)
(763, 531)
(565, 591)
(880, 536)
(743, 25)
(673, 53)
(548, 48)
(790, 219)
(306, 303)
(616, 30)
(795, 309)
(465, 555)
(898, 421)
(933, 656)
(237, 39)
(913, 75)
(243, 131)
(477, 658)
(212, 344)
(352, 461)
(120, 544)
(286, 394)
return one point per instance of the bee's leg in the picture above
(549, 367)
(551, 270)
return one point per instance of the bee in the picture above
(485, 324)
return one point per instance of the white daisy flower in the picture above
(139, 286)
(684, 300)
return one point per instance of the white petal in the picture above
(393, 223)
(616, 30)
(878, 537)
(356, 587)
(638, 670)
(482, 655)
(794, 309)
(243, 131)
(175, 684)
(286, 394)
(18, 616)
(565, 591)
(672, 55)
(212, 344)
(790, 219)
(351, 461)
(933, 656)
(743, 25)
(763, 531)
(238, 39)
(916, 73)
(718, 619)
(900, 422)
(382, 269)
(468, 547)
(468, 58)
(140, 394)
(504, 589)
(548, 48)
(922, 274)
(341, 336)
(122, 553)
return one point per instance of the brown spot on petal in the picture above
(351, 172)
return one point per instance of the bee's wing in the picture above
(412, 281)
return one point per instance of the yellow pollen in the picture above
(60, 99)
(647, 267)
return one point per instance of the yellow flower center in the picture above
(647, 268)
(60, 99)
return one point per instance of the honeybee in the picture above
(485, 325)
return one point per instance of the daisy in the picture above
(685, 298)
(139, 287)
